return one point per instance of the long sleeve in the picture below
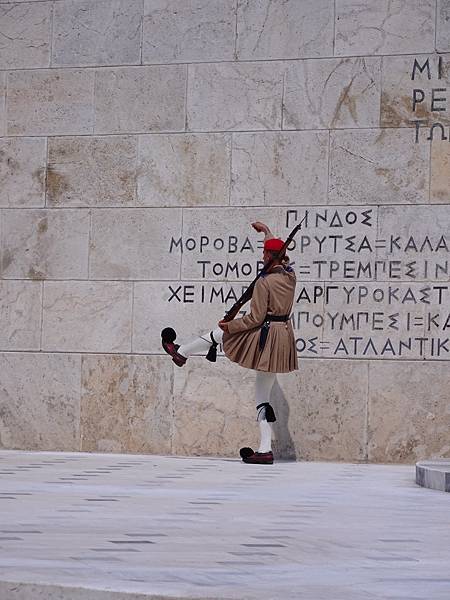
(258, 309)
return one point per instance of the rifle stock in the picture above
(246, 296)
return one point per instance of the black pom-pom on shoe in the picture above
(246, 452)
(168, 335)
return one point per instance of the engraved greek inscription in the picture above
(361, 292)
(310, 345)
(421, 68)
(418, 96)
(435, 100)
(174, 293)
(426, 101)
(441, 129)
(341, 218)
(204, 243)
(184, 293)
(291, 218)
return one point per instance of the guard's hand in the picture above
(260, 227)
(223, 325)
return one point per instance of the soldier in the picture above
(262, 340)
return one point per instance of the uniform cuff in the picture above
(234, 326)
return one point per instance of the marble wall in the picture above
(138, 141)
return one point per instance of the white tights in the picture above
(264, 383)
(202, 344)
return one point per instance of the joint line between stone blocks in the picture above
(366, 434)
(132, 315)
(41, 317)
(328, 166)
(186, 89)
(435, 24)
(230, 180)
(46, 172)
(236, 29)
(80, 422)
(52, 18)
(89, 247)
(334, 27)
(142, 33)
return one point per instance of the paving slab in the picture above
(78, 526)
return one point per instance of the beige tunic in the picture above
(273, 294)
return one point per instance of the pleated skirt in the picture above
(278, 356)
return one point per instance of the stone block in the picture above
(211, 251)
(40, 401)
(214, 409)
(129, 243)
(332, 93)
(126, 404)
(25, 40)
(188, 30)
(307, 317)
(284, 29)
(440, 172)
(375, 320)
(192, 308)
(401, 76)
(327, 404)
(20, 315)
(83, 316)
(384, 27)
(418, 238)
(22, 172)
(45, 244)
(140, 99)
(232, 96)
(104, 32)
(332, 242)
(91, 171)
(271, 168)
(184, 169)
(443, 26)
(409, 415)
(50, 102)
(3, 103)
(379, 166)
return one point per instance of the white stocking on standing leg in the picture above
(264, 384)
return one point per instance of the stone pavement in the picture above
(72, 525)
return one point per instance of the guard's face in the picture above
(266, 257)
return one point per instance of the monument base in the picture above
(434, 474)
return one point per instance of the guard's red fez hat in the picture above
(274, 244)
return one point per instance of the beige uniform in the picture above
(274, 295)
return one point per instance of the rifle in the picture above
(246, 296)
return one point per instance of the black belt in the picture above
(265, 327)
(277, 318)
